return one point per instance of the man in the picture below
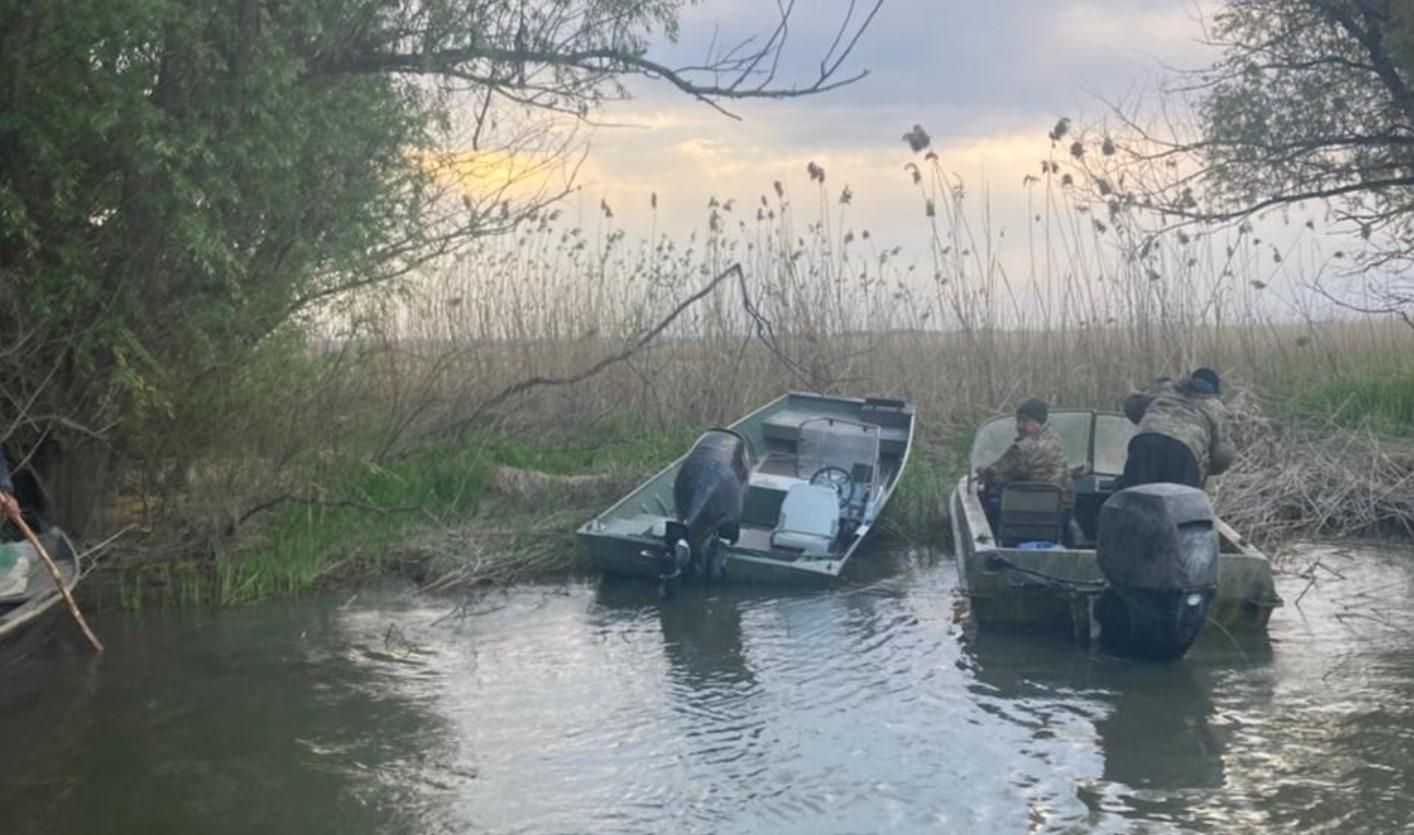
(8, 506)
(1183, 435)
(1037, 454)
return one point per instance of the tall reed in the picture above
(1104, 300)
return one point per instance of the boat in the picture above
(1031, 569)
(786, 494)
(27, 591)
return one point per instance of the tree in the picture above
(180, 179)
(1310, 101)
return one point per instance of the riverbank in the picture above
(496, 508)
(368, 517)
(500, 507)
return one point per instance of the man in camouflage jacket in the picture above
(1183, 432)
(1037, 454)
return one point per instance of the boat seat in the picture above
(810, 519)
(14, 573)
(1030, 512)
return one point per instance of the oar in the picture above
(58, 580)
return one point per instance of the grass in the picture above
(917, 515)
(1373, 396)
(366, 510)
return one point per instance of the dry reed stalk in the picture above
(1327, 481)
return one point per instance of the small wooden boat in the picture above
(27, 591)
(1029, 569)
(791, 489)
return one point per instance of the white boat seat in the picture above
(810, 519)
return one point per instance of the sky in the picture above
(986, 80)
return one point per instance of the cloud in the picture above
(987, 80)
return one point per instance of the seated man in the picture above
(1183, 434)
(1037, 454)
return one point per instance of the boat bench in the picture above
(784, 426)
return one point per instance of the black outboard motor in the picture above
(707, 493)
(1158, 548)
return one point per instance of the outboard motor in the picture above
(707, 493)
(1158, 548)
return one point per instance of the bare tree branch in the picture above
(638, 344)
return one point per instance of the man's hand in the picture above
(9, 506)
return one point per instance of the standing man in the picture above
(1183, 432)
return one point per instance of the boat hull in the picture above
(1058, 588)
(637, 558)
(628, 538)
(22, 621)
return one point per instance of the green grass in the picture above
(1366, 391)
(370, 507)
(918, 511)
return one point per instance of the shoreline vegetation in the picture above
(382, 437)
(293, 292)
(449, 433)
(501, 506)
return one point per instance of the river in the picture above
(589, 706)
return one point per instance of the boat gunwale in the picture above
(968, 548)
(32, 610)
(829, 566)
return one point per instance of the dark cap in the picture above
(1207, 377)
(1035, 409)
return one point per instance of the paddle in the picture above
(58, 579)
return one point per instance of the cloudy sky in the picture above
(985, 79)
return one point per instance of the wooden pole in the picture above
(58, 580)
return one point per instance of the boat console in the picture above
(819, 481)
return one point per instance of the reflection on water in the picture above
(597, 708)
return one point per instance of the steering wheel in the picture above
(837, 479)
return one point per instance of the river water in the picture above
(591, 707)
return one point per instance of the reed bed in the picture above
(1100, 304)
(1310, 479)
(823, 304)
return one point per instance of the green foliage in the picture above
(180, 180)
(1373, 392)
(918, 514)
(175, 178)
(371, 507)
(1315, 99)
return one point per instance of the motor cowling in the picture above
(708, 492)
(1158, 550)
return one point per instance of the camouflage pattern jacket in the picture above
(1199, 420)
(1039, 458)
